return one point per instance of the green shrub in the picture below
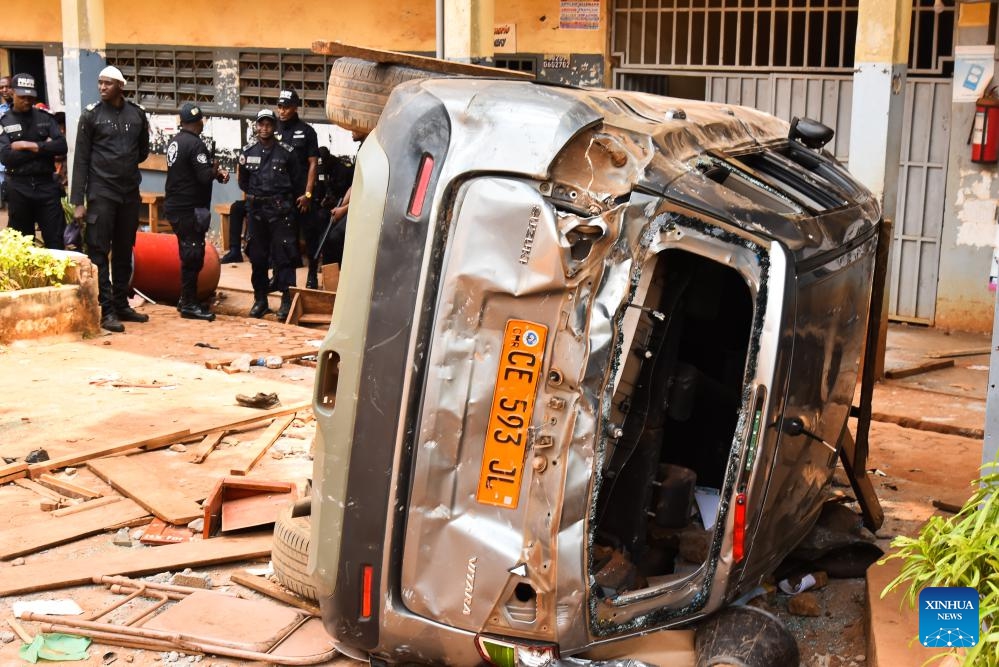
(22, 265)
(962, 550)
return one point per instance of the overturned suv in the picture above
(569, 328)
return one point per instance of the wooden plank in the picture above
(84, 506)
(275, 591)
(43, 491)
(19, 630)
(207, 446)
(46, 533)
(264, 442)
(67, 488)
(925, 367)
(171, 499)
(12, 471)
(35, 577)
(339, 49)
(161, 440)
(222, 362)
(969, 352)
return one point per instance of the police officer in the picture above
(190, 173)
(6, 98)
(294, 131)
(30, 141)
(268, 172)
(112, 139)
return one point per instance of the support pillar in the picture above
(881, 63)
(468, 31)
(82, 60)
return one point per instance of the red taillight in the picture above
(739, 528)
(367, 574)
(420, 187)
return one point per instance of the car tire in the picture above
(290, 550)
(359, 89)
(744, 637)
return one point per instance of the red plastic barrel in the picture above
(157, 268)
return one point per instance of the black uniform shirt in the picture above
(300, 135)
(268, 171)
(110, 144)
(33, 125)
(190, 173)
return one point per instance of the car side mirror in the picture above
(811, 133)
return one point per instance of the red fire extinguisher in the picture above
(985, 131)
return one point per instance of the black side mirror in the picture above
(810, 132)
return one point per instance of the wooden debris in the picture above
(19, 630)
(946, 507)
(163, 440)
(420, 62)
(43, 491)
(88, 505)
(161, 532)
(67, 488)
(12, 471)
(236, 503)
(221, 363)
(43, 576)
(47, 533)
(968, 352)
(264, 442)
(926, 367)
(275, 591)
(47, 505)
(207, 446)
(172, 500)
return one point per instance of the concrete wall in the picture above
(964, 300)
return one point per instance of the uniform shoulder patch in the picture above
(250, 144)
(92, 106)
(136, 104)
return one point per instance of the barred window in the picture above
(517, 64)
(263, 74)
(163, 79)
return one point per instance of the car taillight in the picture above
(366, 578)
(420, 187)
(739, 529)
(509, 653)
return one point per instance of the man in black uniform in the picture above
(190, 172)
(294, 131)
(30, 140)
(268, 172)
(112, 139)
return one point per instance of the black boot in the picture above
(282, 313)
(311, 278)
(260, 306)
(234, 256)
(195, 311)
(129, 314)
(110, 322)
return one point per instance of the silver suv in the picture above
(569, 328)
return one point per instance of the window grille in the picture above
(517, 64)
(163, 79)
(263, 74)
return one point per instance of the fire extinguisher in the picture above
(985, 130)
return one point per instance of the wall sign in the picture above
(505, 38)
(579, 14)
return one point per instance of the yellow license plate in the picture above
(510, 417)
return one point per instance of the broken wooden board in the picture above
(161, 532)
(44, 576)
(51, 532)
(43, 491)
(161, 440)
(86, 505)
(67, 488)
(925, 367)
(220, 363)
(263, 443)
(12, 471)
(270, 589)
(969, 352)
(245, 503)
(166, 492)
(206, 447)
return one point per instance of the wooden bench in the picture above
(149, 212)
(223, 211)
(311, 307)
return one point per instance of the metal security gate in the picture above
(922, 179)
(796, 59)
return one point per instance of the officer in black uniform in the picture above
(112, 139)
(190, 173)
(294, 131)
(30, 141)
(268, 172)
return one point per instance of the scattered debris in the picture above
(206, 345)
(946, 507)
(178, 448)
(122, 538)
(63, 607)
(275, 591)
(161, 532)
(192, 579)
(969, 352)
(17, 561)
(67, 488)
(37, 456)
(86, 505)
(7, 637)
(198, 525)
(926, 367)
(803, 582)
(804, 604)
(263, 443)
(235, 504)
(261, 400)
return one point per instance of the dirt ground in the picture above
(67, 395)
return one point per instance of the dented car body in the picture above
(570, 327)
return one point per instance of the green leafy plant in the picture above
(962, 550)
(22, 265)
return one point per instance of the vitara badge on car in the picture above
(510, 416)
